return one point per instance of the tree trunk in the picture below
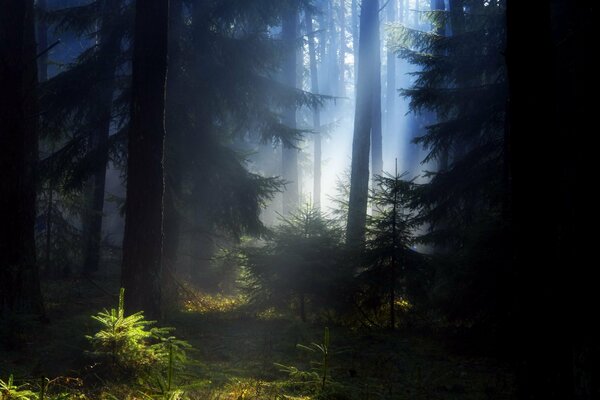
(289, 35)
(355, 35)
(107, 55)
(363, 121)
(390, 94)
(332, 55)
(376, 134)
(314, 87)
(342, 55)
(19, 279)
(42, 42)
(143, 238)
(173, 145)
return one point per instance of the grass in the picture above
(236, 353)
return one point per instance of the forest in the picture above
(298, 199)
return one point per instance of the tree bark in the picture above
(101, 118)
(143, 239)
(19, 279)
(290, 154)
(314, 87)
(363, 121)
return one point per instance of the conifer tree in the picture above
(462, 80)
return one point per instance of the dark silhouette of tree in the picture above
(143, 240)
(108, 52)
(19, 281)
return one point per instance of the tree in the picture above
(363, 123)
(100, 120)
(143, 239)
(390, 266)
(19, 281)
(289, 35)
(342, 53)
(391, 91)
(462, 80)
(314, 87)
(300, 265)
(376, 130)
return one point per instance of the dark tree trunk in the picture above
(314, 87)
(363, 121)
(143, 239)
(290, 154)
(174, 138)
(42, 42)
(42, 45)
(19, 280)
(173, 145)
(101, 117)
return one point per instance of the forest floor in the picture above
(236, 353)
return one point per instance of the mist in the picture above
(299, 199)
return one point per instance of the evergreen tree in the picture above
(300, 265)
(463, 81)
(392, 270)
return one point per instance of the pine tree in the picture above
(390, 265)
(463, 81)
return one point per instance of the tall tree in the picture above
(143, 239)
(354, 22)
(342, 53)
(390, 93)
(173, 142)
(376, 131)
(100, 117)
(289, 34)
(19, 281)
(314, 87)
(363, 122)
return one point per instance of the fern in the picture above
(10, 391)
